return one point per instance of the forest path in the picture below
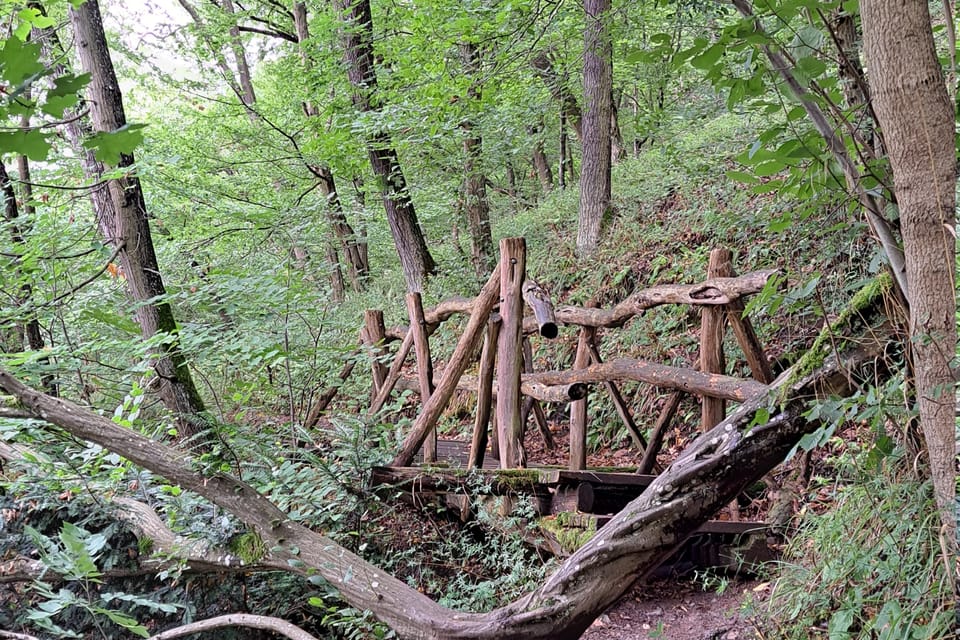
(671, 608)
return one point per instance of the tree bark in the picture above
(917, 120)
(124, 224)
(357, 38)
(595, 164)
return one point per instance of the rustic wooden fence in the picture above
(509, 390)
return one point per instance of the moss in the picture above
(248, 547)
(815, 356)
(518, 479)
(569, 536)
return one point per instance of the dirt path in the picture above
(680, 609)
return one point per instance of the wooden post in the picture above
(537, 299)
(534, 404)
(427, 420)
(513, 258)
(374, 335)
(711, 341)
(488, 356)
(421, 346)
(578, 409)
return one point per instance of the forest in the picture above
(486, 320)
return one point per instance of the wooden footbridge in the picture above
(574, 501)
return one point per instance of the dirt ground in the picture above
(673, 608)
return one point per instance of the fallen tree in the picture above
(710, 472)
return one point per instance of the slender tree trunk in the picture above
(540, 163)
(916, 116)
(560, 90)
(595, 169)
(124, 224)
(618, 152)
(240, 59)
(351, 246)
(357, 36)
(474, 180)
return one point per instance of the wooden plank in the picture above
(513, 260)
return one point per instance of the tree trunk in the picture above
(357, 37)
(595, 169)
(540, 163)
(560, 91)
(917, 119)
(474, 180)
(124, 224)
(247, 94)
(356, 256)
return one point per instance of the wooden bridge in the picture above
(508, 391)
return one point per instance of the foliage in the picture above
(872, 566)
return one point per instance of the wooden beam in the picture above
(374, 336)
(689, 380)
(711, 292)
(393, 375)
(578, 409)
(538, 299)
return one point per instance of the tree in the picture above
(122, 218)
(357, 39)
(474, 180)
(595, 184)
(916, 117)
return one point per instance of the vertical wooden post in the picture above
(421, 346)
(711, 341)
(578, 408)
(513, 258)
(488, 355)
(374, 334)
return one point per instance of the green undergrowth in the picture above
(870, 567)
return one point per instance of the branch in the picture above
(283, 35)
(266, 623)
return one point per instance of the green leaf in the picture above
(742, 176)
(19, 60)
(31, 143)
(706, 60)
(108, 146)
(124, 621)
